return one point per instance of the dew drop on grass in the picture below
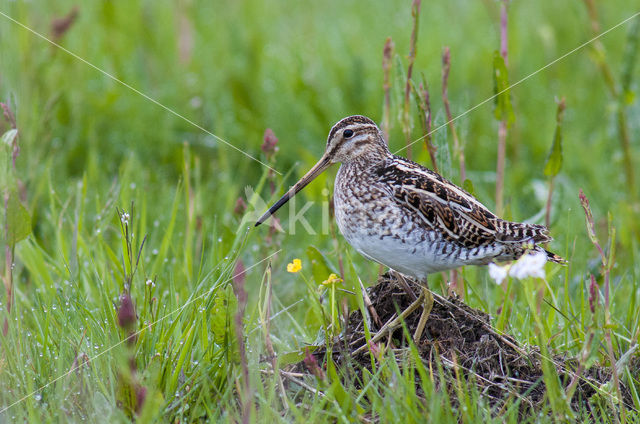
(219, 239)
(154, 252)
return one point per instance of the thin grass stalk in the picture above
(458, 150)
(415, 13)
(502, 126)
(590, 334)
(387, 54)
(9, 248)
(245, 388)
(607, 264)
(559, 117)
(266, 328)
(421, 94)
(428, 125)
(7, 278)
(617, 94)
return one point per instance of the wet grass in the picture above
(123, 299)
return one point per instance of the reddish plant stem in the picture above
(387, 53)
(457, 146)
(428, 124)
(7, 278)
(502, 143)
(246, 392)
(504, 41)
(415, 13)
(547, 212)
(502, 126)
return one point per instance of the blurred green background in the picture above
(89, 144)
(237, 68)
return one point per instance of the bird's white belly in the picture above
(416, 260)
(402, 246)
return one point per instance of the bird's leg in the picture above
(405, 286)
(427, 298)
(394, 323)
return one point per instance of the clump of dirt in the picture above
(461, 340)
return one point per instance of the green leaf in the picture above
(224, 306)
(467, 185)
(338, 391)
(553, 163)
(18, 220)
(503, 110)
(293, 357)
(554, 158)
(440, 140)
(320, 266)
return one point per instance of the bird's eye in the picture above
(347, 133)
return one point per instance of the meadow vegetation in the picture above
(134, 286)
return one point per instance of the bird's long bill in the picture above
(317, 169)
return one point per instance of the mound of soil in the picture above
(463, 341)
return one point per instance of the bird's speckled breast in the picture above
(378, 228)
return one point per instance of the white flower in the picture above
(151, 283)
(498, 273)
(529, 265)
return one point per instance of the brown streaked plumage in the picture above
(407, 217)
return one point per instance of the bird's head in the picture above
(354, 138)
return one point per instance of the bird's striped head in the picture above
(355, 137)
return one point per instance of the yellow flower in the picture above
(333, 278)
(294, 266)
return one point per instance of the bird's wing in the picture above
(449, 209)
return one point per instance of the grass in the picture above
(91, 150)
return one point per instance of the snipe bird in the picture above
(407, 217)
